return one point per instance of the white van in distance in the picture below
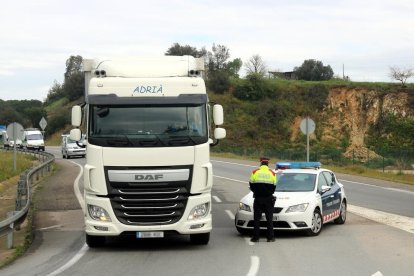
(33, 139)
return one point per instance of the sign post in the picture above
(307, 126)
(15, 132)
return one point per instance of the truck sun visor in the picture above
(112, 99)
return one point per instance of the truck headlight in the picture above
(244, 207)
(98, 213)
(298, 208)
(199, 211)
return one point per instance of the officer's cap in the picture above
(264, 159)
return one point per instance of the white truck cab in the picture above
(148, 133)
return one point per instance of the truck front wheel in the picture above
(200, 238)
(95, 241)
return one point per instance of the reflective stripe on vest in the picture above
(263, 175)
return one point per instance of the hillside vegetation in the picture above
(355, 122)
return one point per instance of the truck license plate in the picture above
(144, 235)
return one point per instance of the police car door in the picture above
(335, 191)
(325, 196)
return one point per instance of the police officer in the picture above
(263, 184)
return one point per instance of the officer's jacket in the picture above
(262, 182)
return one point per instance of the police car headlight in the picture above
(298, 208)
(244, 207)
(98, 213)
(199, 211)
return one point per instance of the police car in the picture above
(308, 196)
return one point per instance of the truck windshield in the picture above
(147, 126)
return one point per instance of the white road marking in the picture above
(71, 262)
(375, 186)
(238, 164)
(247, 239)
(254, 266)
(397, 221)
(231, 215)
(378, 273)
(217, 199)
(84, 248)
(231, 179)
(399, 190)
(76, 187)
(50, 227)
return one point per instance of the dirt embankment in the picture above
(349, 113)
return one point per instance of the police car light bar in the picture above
(298, 165)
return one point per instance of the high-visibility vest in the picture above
(263, 175)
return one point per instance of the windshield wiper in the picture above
(148, 142)
(181, 140)
(122, 141)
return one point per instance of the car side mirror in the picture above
(325, 188)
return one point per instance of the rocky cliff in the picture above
(350, 112)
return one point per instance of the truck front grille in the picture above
(155, 203)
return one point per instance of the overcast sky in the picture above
(37, 37)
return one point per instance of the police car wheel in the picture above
(342, 216)
(242, 231)
(317, 223)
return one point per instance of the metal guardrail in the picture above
(17, 217)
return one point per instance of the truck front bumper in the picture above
(116, 228)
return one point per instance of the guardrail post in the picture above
(11, 231)
(21, 195)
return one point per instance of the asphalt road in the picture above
(359, 247)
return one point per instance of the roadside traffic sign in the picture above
(43, 123)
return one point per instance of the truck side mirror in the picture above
(75, 134)
(76, 116)
(218, 114)
(219, 133)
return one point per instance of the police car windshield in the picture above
(155, 126)
(295, 182)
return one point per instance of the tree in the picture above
(73, 66)
(218, 76)
(233, 67)
(55, 92)
(217, 59)
(401, 75)
(313, 70)
(74, 84)
(35, 114)
(9, 115)
(256, 65)
(178, 50)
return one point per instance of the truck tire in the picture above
(202, 239)
(95, 241)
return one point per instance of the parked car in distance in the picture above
(71, 148)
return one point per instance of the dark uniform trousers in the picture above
(263, 205)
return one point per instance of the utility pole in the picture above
(343, 71)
